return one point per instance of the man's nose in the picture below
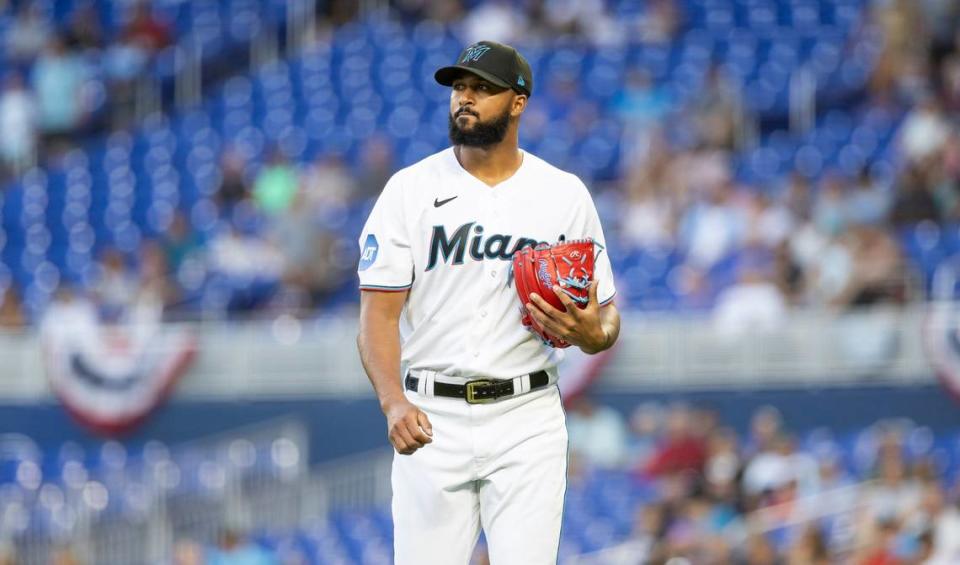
(467, 96)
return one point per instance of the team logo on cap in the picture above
(474, 53)
(520, 81)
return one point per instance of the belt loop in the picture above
(518, 387)
(425, 386)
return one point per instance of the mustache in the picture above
(465, 111)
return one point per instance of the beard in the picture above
(482, 134)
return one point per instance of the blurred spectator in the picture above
(810, 548)
(830, 207)
(8, 554)
(180, 243)
(760, 551)
(187, 552)
(717, 110)
(495, 20)
(877, 273)
(880, 548)
(712, 228)
(797, 196)
(648, 221)
(327, 185)
(587, 19)
(645, 429)
(769, 223)
(145, 29)
(244, 255)
(682, 449)
(59, 78)
(276, 185)
(867, 202)
(946, 535)
(27, 35)
(124, 62)
(84, 31)
(155, 290)
(944, 182)
(597, 433)
(233, 185)
(640, 102)
(723, 465)
(778, 466)
(11, 309)
(766, 426)
(753, 304)
(376, 167)
(300, 237)
(660, 21)
(117, 287)
(649, 530)
(903, 55)
(788, 275)
(829, 267)
(698, 173)
(894, 493)
(65, 556)
(924, 131)
(831, 473)
(950, 83)
(18, 125)
(235, 549)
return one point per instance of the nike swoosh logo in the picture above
(438, 203)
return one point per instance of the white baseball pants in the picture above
(502, 466)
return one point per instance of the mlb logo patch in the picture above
(369, 253)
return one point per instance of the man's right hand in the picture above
(407, 426)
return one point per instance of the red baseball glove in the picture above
(567, 264)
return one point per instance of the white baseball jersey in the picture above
(448, 237)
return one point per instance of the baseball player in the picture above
(469, 395)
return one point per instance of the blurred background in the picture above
(182, 186)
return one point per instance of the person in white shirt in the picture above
(440, 327)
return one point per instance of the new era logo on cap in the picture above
(520, 81)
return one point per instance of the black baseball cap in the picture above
(500, 64)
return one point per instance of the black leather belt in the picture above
(479, 391)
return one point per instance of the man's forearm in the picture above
(379, 345)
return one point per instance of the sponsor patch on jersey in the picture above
(369, 253)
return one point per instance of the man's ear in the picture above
(519, 104)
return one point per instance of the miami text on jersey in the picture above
(495, 246)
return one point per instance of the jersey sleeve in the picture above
(386, 260)
(602, 270)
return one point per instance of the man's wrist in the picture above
(599, 342)
(391, 399)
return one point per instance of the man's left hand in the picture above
(581, 327)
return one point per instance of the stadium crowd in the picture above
(822, 240)
(770, 497)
